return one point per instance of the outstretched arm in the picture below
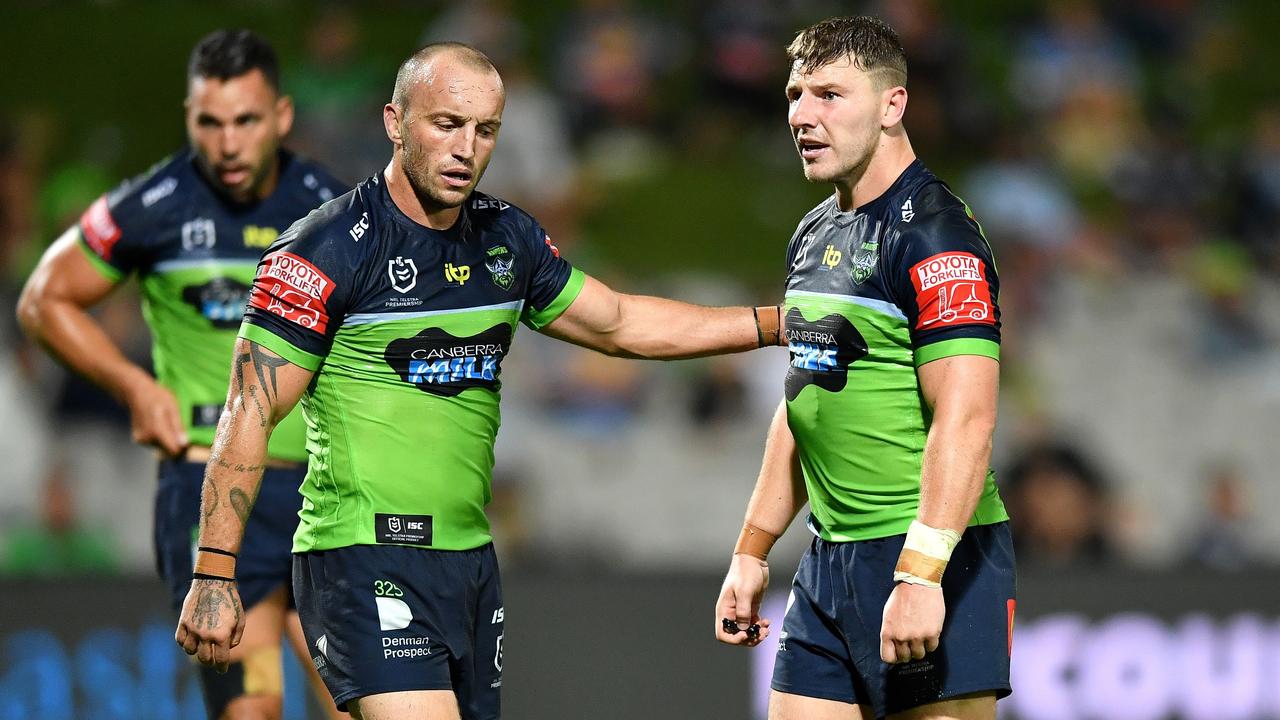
(264, 388)
(639, 326)
(778, 496)
(53, 310)
(961, 391)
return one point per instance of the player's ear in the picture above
(894, 106)
(284, 115)
(391, 121)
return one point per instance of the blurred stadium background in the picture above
(1124, 159)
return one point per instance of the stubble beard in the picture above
(846, 171)
(420, 179)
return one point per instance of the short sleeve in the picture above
(300, 294)
(946, 284)
(114, 234)
(554, 283)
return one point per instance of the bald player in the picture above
(388, 312)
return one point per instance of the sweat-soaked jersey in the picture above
(872, 294)
(195, 253)
(406, 328)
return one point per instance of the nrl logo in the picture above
(864, 260)
(502, 268)
(403, 274)
(393, 524)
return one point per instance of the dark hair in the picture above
(225, 54)
(870, 44)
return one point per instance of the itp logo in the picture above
(831, 257)
(458, 274)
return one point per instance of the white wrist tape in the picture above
(925, 555)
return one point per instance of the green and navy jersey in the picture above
(195, 253)
(872, 294)
(406, 329)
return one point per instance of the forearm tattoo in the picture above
(209, 498)
(242, 504)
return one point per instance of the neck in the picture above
(872, 179)
(269, 182)
(413, 205)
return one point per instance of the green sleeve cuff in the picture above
(280, 346)
(103, 267)
(957, 346)
(538, 319)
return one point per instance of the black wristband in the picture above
(206, 576)
(216, 551)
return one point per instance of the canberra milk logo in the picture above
(221, 301)
(821, 352)
(439, 363)
(403, 274)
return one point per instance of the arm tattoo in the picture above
(266, 362)
(258, 357)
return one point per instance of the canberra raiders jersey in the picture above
(195, 253)
(406, 328)
(872, 294)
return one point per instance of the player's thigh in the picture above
(979, 706)
(786, 706)
(408, 705)
(298, 644)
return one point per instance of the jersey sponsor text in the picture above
(99, 229)
(952, 289)
(294, 289)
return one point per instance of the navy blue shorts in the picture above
(829, 646)
(391, 618)
(265, 557)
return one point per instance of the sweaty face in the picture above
(236, 126)
(835, 114)
(448, 128)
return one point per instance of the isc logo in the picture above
(357, 231)
(457, 274)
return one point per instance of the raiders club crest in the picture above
(864, 260)
(501, 266)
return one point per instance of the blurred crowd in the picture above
(1122, 159)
